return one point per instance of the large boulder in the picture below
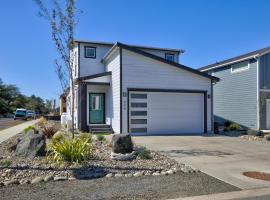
(122, 143)
(31, 144)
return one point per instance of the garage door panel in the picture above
(166, 112)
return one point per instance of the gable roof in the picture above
(137, 46)
(154, 57)
(242, 57)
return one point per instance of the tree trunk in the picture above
(72, 107)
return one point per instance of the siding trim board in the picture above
(121, 89)
(169, 91)
(93, 76)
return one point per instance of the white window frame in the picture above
(241, 69)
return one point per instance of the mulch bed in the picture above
(258, 175)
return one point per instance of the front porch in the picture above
(95, 103)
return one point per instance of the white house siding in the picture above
(69, 104)
(142, 72)
(108, 102)
(89, 66)
(113, 65)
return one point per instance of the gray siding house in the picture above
(243, 93)
(138, 90)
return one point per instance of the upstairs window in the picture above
(239, 67)
(90, 52)
(169, 57)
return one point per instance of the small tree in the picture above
(62, 22)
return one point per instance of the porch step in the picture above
(100, 129)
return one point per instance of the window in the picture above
(169, 57)
(90, 52)
(96, 103)
(242, 66)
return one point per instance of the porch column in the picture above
(82, 106)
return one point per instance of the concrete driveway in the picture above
(222, 157)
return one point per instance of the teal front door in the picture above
(96, 108)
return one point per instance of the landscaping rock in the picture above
(48, 178)
(121, 143)
(24, 181)
(128, 175)
(71, 178)
(11, 182)
(37, 180)
(31, 145)
(138, 174)
(118, 175)
(156, 174)
(109, 175)
(170, 172)
(60, 178)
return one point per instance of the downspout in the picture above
(258, 91)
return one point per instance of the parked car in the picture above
(20, 113)
(31, 114)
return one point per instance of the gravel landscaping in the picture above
(23, 170)
(140, 188)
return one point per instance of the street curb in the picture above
(230, 195)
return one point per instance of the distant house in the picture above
(243, 93)
(139, 90)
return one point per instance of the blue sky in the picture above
(209, 31)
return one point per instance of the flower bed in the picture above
(22, 170)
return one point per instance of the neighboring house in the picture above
(139, 90)
(243, 93)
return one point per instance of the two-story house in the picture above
(139, 90)
(243, 93)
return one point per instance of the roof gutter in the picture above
(232, 62)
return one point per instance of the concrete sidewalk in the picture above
(258, 194)
(9, 132)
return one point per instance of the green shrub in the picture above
(267, 137)
(58, 135)
(5, 163)
(29, 128)
(227, 123)
(145, 154)
(234, 127)
(254, 132)
(74, 150)
(100, 137)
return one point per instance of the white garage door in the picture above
(166, 112)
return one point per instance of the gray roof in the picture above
(258, 52)
(138, 46)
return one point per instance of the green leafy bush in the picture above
(254, 132)
(234, 127)
(29, 128)
(145, 154)
(74, 150)
(100, 137)
(5, 163)
(58, 135)
(267, 137)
